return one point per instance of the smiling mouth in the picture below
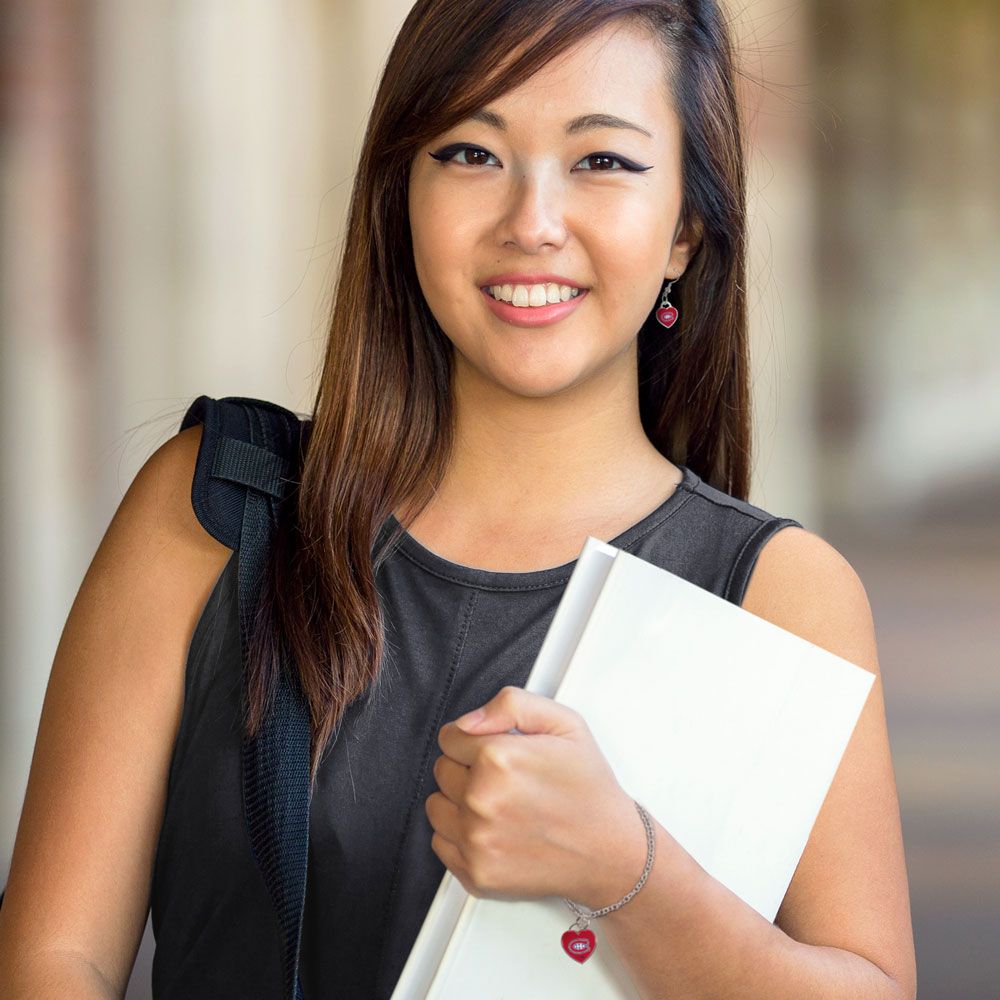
(532, 297)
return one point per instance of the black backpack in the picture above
(248, 460)
(250, 457)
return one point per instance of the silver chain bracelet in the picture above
(579, 942)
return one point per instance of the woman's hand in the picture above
(532, 813)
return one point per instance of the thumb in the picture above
(513, 708)
(470, 722)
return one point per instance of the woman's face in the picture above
(517, 193)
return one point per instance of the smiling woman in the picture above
(497, 386)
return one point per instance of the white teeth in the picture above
(537, 296)
(528, 296)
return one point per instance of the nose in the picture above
(534, 213)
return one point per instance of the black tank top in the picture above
(454, 636)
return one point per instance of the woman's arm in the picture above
(843, 930)
(78, 894)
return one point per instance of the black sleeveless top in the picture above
(454, 636)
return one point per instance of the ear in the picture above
(687, 240)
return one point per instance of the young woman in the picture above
(539, 333)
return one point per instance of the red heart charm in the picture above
(579, 945)
(667, 315)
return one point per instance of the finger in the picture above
(513, 707)
(460, 746)
(469, 751)
(451, 857)
(443, 816)
(451, 777)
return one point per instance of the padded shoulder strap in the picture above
(250, 450)
(245, 443)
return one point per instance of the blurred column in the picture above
(777, 66)
(48, 362)
(910, 213)
(213, 227)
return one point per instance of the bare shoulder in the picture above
(850, 889)
(804, 584)
(82, 863)
(164, 483)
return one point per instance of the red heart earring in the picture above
(667, 314)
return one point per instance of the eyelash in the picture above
(447, 154)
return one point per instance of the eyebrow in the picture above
(583, 123)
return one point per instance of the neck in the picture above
(578, 455)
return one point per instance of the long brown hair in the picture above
(382, 425)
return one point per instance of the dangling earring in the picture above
(667, 314)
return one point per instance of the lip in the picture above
(512, 278)
(531, 316)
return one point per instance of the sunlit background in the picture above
(173, 185)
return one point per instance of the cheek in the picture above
(443, 241)
(637, 241)
(630, 259)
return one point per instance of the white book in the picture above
(727, 728)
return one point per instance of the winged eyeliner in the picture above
(447, 153)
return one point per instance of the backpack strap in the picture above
(246, 443)
(250, 451)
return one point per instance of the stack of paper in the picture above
(725, 727)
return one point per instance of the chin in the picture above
(540, 376)
(533, 363)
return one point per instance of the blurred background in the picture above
(173, 185)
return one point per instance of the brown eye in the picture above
(473, 155)
(604, 158)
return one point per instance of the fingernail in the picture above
(469, 719)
